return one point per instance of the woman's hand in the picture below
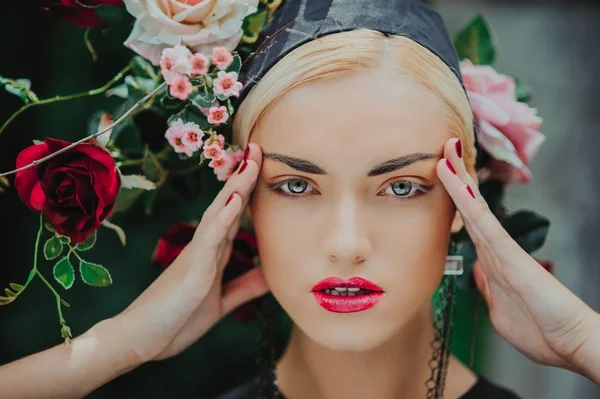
(528, 307)
(187, 299)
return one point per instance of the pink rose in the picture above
(508, 128)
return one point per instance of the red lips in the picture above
(354, 282)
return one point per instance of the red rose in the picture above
(75, 190)
(172, 242)
(179, 234)
(546, 264)
(81, 12)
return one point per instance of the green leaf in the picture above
(64, 239)
(126, 198)
(149, 201)
(528, 229)
(236, 65)
(142, 67)
(10, 293)
(94, 275)
(30, 277)
(222, 97)
(151, 166)
(253, 24)
(63, 273)
(193, 114)
(53, 248)
(88, 243)
(144, 85)
(20, 88)
(203, 100)
(476, 42)
(493, 192)
(17, 287)
(523, 91)
(171, 103)
(120, 91)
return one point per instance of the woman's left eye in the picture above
(404, 189)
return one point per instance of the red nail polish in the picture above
(247, 152)
(450, 166)
(229, 199)
(243, 167)
(458, 149)
(470, 191)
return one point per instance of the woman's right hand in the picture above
(188, 298)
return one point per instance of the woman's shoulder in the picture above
(482, 389)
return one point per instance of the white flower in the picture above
(200, 25)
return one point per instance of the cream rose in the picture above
(200, 25)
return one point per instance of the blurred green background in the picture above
(540, 42)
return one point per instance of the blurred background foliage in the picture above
(542, 42)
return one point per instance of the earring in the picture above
(454, 263)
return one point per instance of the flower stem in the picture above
(91, 136)
(59, 300)
(56, 99)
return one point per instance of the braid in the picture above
(443, 323)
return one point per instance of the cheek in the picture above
(282, 238)
(415, 240)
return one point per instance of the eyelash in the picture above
(416, 188)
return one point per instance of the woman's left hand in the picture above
(528, 306)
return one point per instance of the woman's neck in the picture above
(396, 369)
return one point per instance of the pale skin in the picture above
(528, 306)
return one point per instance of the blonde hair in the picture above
(353, 51)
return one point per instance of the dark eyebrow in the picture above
(401, 162)
(301, 165)
(305, 166)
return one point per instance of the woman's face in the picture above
(348, 188)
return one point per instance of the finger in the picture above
(211, 236)
(248, 286)
(453, 152)
(482, 283)
(241, 181)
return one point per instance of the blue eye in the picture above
(294, 187)
(404, 189)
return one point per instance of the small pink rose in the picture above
(212, 151)
(221, 57)
(199, 64)
(217, 115)
(180, 87)
(227, 85)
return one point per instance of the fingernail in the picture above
(243, 167)
(450, 166)
(247, 152)
(458, 148)
(470, 191)
(229, 199)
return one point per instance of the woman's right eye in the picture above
(294, 187)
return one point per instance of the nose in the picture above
(347, 240)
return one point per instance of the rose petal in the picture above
(27, 179)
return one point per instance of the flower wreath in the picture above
(189, 87)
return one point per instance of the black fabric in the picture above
(299, 21)
(483, 389)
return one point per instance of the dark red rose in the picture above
(75, 190)
(172, 242)
(546, 264)
(81, 12)
(179, 234)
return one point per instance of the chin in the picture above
(348, 335)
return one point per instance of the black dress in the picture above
(483, 389)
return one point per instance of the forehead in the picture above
(375, 115)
